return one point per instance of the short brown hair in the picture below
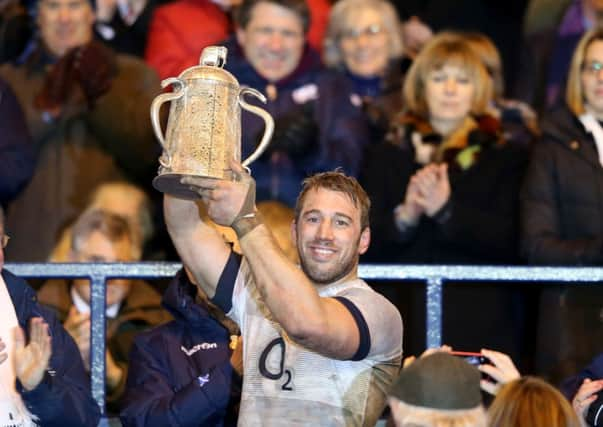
(242, 14)
(531, 402)
(113, 227)
(340, 182)
(574, 92)
(443, 49)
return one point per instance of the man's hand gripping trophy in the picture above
(229, 203)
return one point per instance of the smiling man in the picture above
(316, 126)
(321, 347)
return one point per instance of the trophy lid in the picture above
(211, 63)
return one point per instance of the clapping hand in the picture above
(411, 210)
(31, 360)
(78, 326)
(434, 187)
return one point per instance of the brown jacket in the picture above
(78, 151)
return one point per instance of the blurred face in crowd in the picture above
(65, 24)
(328, 236)
(365, 44)
(449, 93)
(592, 78)
(98, 248)
(273, 40)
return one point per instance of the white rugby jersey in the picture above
(287, 384)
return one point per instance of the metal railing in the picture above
(433, 275)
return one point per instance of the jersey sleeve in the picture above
(379, 323)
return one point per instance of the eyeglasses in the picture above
(355, 33)
(4, 240)
(593, 67)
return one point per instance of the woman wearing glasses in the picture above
(562, 214)
(363, 47)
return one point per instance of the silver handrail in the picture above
(433, 275)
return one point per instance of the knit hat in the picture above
(439, 381)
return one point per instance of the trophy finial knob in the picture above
(214, 56)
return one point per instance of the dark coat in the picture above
(163, 385)
(379, 98)
(482, 224)
(562, 224)
(479, 225)
(562, 197)
(63, 397)
(16, 149)
(338, 141)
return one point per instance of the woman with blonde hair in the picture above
(445, 190)
(363, 47)
(562, 207)
(531, 402)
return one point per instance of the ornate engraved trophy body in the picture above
(204, 125)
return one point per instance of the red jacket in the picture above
(180, 30)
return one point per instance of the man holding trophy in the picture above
(320, 346)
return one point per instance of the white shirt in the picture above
(286, 384)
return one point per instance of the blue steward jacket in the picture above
(180, 372)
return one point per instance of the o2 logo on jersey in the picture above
(268, 370)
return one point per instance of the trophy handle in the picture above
(156, 105)
(269, 122)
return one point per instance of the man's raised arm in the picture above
(201, 248)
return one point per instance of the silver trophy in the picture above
(204, 125)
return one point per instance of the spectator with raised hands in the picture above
(42, 378)
(499, 367)
(445, 191)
